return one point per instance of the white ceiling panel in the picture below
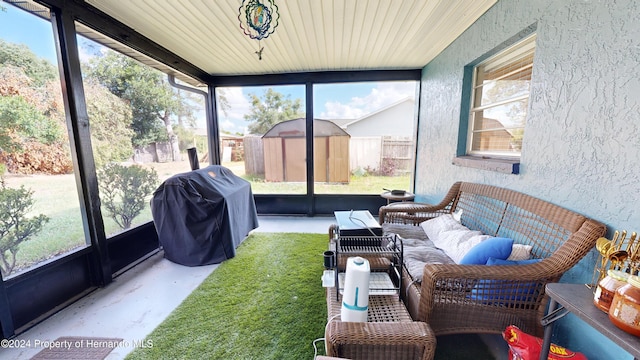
(312, 35)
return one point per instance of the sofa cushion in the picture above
(433, 227)
(457, 243)
(520, 252)
(494, 261)
(487, 290)
(452, 237)
(499, 248)
(405, 231)
(418, 252)
(416, 257)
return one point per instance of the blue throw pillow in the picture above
(498, 248)
(488, 290)
(497, 261)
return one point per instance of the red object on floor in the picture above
(523, 346)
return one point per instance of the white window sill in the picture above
(505, 166)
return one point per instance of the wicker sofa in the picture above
(447, 297)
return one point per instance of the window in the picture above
(364, 136)
(141, 127)
(263, 136)
(375, 146)
(499, 102)
(39, 200)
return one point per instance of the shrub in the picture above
(388, 167)
(42, 158)
(124, 191)
(15, 227)
(21, 121)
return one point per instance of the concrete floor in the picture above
(140, 299)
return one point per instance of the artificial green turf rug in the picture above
(265, 303)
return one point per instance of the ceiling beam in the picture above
(317, 77)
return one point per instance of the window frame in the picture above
(510, 55)
(485, 161)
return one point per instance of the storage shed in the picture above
(285, 154)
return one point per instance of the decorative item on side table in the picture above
(617, 286)
(619, 253)
(625, 307)
(397, 195)
(607, 287)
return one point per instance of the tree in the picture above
(516, 111)
(124, 191)
(39, 70)
(15, 227)
(222, 101)
(21, 121)
(187, 106)
(110, 122)
(152, 100)
(273, 108)
(32, 118)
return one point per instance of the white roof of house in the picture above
(347, 124)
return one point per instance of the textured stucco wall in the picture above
(581, 147)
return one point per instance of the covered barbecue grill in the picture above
(202, 216)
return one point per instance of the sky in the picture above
(331, 101)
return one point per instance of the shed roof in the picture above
(297, 127)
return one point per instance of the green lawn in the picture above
(357, 185)
(365, 184)
(56, 197)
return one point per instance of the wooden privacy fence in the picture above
(397, 155)
(253, 155)
(383, 155)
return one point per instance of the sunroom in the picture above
(90, 87)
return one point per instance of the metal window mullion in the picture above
(497, 129)
(499, 103)
(520, 69)
(476, 99)
(477, 93)
(528, 66)
(80, 141)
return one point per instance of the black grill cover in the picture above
(202, 216)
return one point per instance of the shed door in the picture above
(338, 159)
(320, 159)
(273, 155)
(294, 152)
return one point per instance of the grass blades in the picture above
(265, 303)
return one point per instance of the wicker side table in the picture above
(389, 333)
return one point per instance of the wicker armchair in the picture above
(389, 332)
(486, 299)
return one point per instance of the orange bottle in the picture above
(607, 287)
(625, 307)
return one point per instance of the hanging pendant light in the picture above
(258, 19)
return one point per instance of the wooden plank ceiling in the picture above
(312, 35)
